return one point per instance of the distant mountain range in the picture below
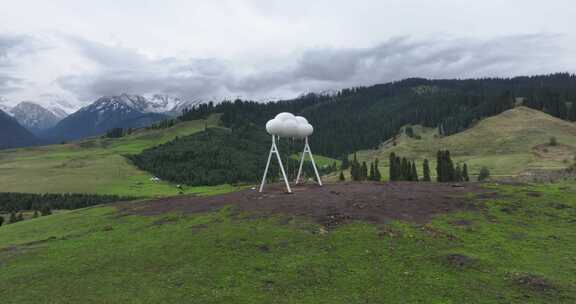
(34, 117)
(123, 111)
(13, 135)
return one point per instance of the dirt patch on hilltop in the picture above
(331, 204)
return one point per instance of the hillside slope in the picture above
(118, 254)
(513, 142)
(93, 165)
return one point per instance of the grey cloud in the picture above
(10, 84)
(125, 70)
(14, 46)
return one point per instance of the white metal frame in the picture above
(309, 151)
(274, 150)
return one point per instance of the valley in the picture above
(166, 210)
(95, 165)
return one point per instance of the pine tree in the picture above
(445, 167)
(392, 167)
(465, 176)
(451, 172)
(364, 172)
(457, 174)
(426, 171)
(341, 177)
(12, 218)
(377, 174)
(405, 170)
(35, 214)
(414, 172)
(439, 166)
(371, 172)
(1, 220)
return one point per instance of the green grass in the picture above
(510, 144)
(94, 165)
(320, 160)
(95, 256)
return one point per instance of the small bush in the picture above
(553, 141)
(484, 174)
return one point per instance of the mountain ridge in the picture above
(34, 117)
(13, 135)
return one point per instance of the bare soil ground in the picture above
(333, 204)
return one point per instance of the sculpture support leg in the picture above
(313, 163)
(274, 150)
(309, 151)
(266, 170)
(301, 164)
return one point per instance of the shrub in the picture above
(553, 141)
(484, 174)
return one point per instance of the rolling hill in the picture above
(511, 143)
(94, 165)
(152, 252)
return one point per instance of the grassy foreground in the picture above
(94, 165)
(518, 249)
(509, 144)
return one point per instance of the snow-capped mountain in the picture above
(169, 105)
(60, 107)
(5, 105)
(125, 111)
(34, 117)
(12, 134)
(5, 108)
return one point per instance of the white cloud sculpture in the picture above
(287, 125)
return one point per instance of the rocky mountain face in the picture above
(34, 117)
(170, 105)
(125, 111)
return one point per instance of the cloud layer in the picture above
(94, 69)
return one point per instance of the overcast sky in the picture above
(78, 50)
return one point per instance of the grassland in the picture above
(513, 143)
(519, 248)
(94, 165)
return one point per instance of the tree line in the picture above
(14, 202)
(359, 171)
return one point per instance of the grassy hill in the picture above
(518, 248)
(93, 165)
(511, 143)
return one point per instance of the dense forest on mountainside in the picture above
(363, 117)
(219, 156)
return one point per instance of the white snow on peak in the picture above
(157, 103)
(5, 105)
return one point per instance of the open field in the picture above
(512, 143)
(504, 244)
(94, 165)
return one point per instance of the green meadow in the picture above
(517, 248)
(95, 165)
